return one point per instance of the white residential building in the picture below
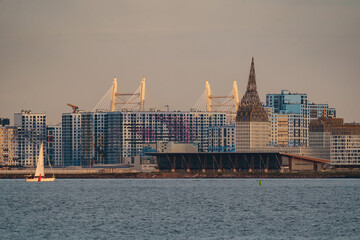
(32, 131)
(54, 145)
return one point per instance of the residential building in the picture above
(99, 136)
(289, 119)
(287, 102)
(222, 138)
(78, 138)
(345, 145)
(9, 145)
(32, 131)
(320, 110)
(109, 137)
(128, 133)
(331, 139)
(320, 135)
(4, 122)
(54, 145)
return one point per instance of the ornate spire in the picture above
(252, 78)
(250, 108)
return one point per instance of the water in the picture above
(180, 209)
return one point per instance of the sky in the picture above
(58, 52)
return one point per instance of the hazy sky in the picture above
(58, 52)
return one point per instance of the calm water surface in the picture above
(180, 209)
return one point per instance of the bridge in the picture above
(115, 99)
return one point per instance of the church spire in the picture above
(252, 78)
(250, 108)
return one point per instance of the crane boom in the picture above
(74, 107)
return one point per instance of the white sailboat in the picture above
(40, 171)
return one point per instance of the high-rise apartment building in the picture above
(54, 145)
(108, 137)
(288, 130)
(298, 103)
(99, 136)
(331, 139)
(286, 102)
(9, 145)
(32, 131)
(126, 133)
(76, 144)
(289, 119)
(345, 145)
(320, 135)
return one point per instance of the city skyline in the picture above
(115, 137)
(53, 53)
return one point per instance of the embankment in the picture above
(133, 175)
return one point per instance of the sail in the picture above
(40, 163)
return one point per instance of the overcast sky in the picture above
(58, 52)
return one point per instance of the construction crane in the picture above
(74, 107)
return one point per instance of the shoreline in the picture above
(194, 175)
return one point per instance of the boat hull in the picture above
(41, 180)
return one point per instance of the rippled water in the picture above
(180, 209)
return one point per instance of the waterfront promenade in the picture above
(131, 173)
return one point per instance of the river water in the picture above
(180, 209)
